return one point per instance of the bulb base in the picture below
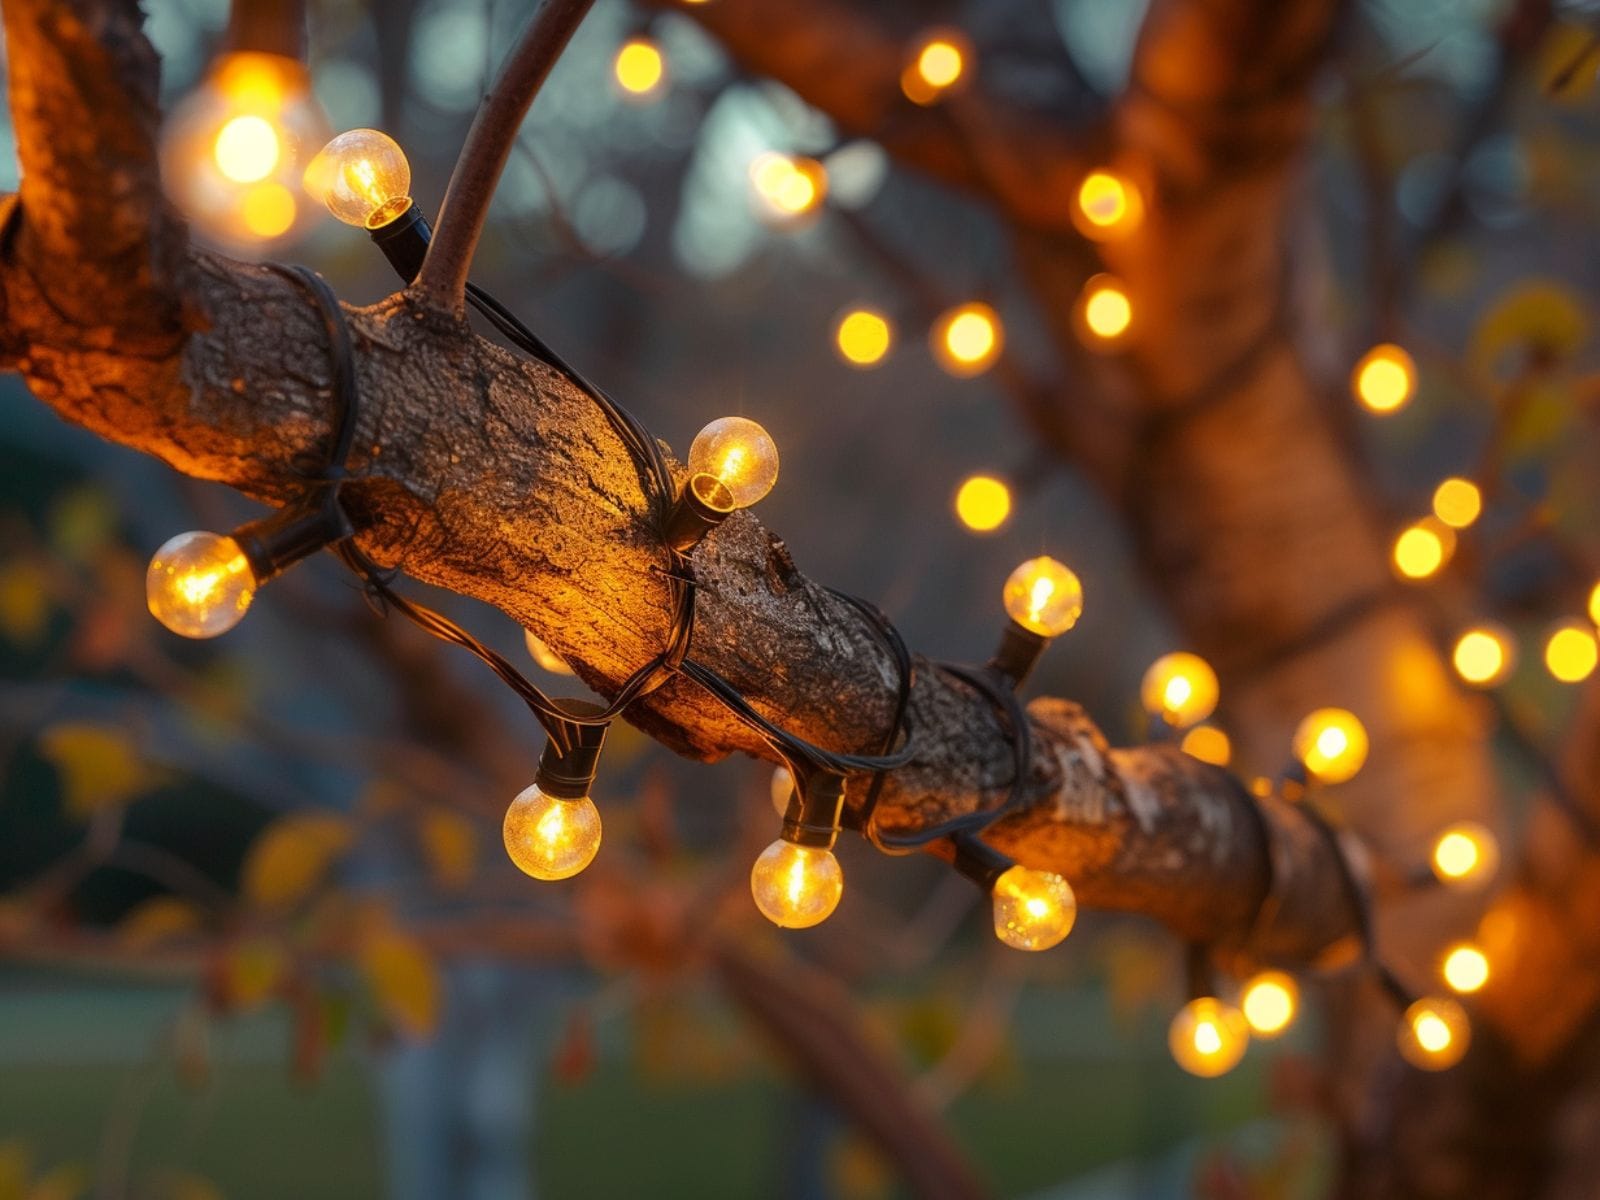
(812, 818)
(1018, 653)
(703, 504)
(569, 776)
(276, 543)
(980, 862)
(404, 241)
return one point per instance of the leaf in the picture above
(157, 920)
(292, 856)
(1537, 316)
(98, 766)
(451, 846)
(82, 522)
(1568, 58)
(404, 981)
(24, 602)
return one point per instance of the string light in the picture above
(199, 584)
(796, 882)
(552, 829)
(1464, 855)
(639, 69)
(1434, 1033)
(1384, 380)
(1208, 1037)
(1331, 745)
(543, 655)
(1465, 968)
(1179, 689)
(1033, 910)
(1484, 655)
(1107, 205)
(1104, 312)
(1422, 548)
(363, 177)
(1457, 502)
(967, 339)
(1570, 652)
(938, 63)
(1209, 744)
(733, 463)
(1269, 1002)
(983, 503)
(1044, 599)
(863, 337)
(787, 186)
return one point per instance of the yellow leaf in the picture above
(82, 522)
(98, 766)
(62, 1183)
(292, 856)
(251, 972)
(403, 979)
(24, 602)
(157, 920)
(451, 845)
(1535, 315)
(1567, 60)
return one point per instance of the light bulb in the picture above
(1043, 596)
(983, 503)
(1033, 910)
(796, 886)
(1594, 605)
(1422, 548)
(1483, 656)
(938, 63)
(1269, 1003)
(1457, 502)
(363, 177)
(1209, 744)
(549, 837)
(1464, 855)
(780, 789)
(1105, 310)
(788, 186)
(1434, 1033)
(863, 337)
(1107, 205)
(543, 655)
(740, 456)
(1384, 380)
(967, 339)
(1465, 968)
(639, 68)
(1180, 688)
(1331, 744)
(200, 584)
(1570, 652)
(1208, 1037)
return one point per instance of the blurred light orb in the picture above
(1180, 688)
(640, 69)
(1107, 309)
(1385, 379)
(1465, 968)
(1209, 744)
(788, 186)
(1422, 548)
(1483, 655)
(1457, 502)
(246, 149)
(1434, 1033)
(1043, 596)
(1107, 205)
(863, 337)
(983, 503)
(1331, 744)
(1594, 605)
(1208, 1037)
(967, 339)
(1269, 1002)
(938, 63)
(1464, 855)
(1570, 652)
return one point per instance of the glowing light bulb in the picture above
(639, 69)
(246, 149)
(788, 186)
(1457, 502)
(1033, 910)
(1269, 1002)
(1465, 968)
(1331, 744)
(938, 63)
(199, 584)
(1483, 655)
(1105, 310)
(549, 837)
(1434, 1033)
(1209, 744)
(1108, 205)
(1180, 688)
(1423, 548)
(780, 789)
(1208, 1037)
(363, 177)
(967, 339)
(1043, 596)
(796, 886)
(268, 210)
(1570, 652)
(863, 337)
(983, 503)
(1384, 380)
(543, 655)
(1465, 855)
(739, 456)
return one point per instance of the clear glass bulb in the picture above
(1269, 1002)
(1331, 743)
(363, 177)
(1208, 1037)
(780, 790)
(796, 886)
(199, 584)
(1043, 596)
(1180, 688)
(1434, 1033)
(549, 837)
(1033, 910)
(738, 454)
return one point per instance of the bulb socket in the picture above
(812, 818)
(1018, 652)
(569, 776)
(404, 241)
(268, 27)
(274, 544)
(704, 503)
(980, 862)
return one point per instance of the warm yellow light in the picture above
(268, 210)
(780, 789)
(1331, 744)
(363, 177)
(549, 837)
(967, 339)
(1107, 310)
(199, 584)
(1434, 1033)
(863, 337)
(1465, 855)
(1422, 548)
(1043, 596)
(1465, 968)
(1208, 1037)
(1457, 502)
(1269, 1002)
(1384, 380)
(639, 68)
(788, 186)
(1594, 605)
(983, 503)
(1033, 910)
(1107, 205)
(1209, 744)
(740, 455)
(1483, 655)
(543, 655)
(1571, 653)
(246, 149)
(1180, 688)
(796, 886)
(938, 62)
